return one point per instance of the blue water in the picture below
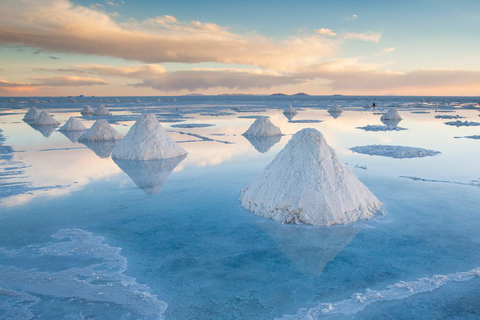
(82, 237)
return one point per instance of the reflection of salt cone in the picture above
(103, 149)
(334, 114)
(391, 122)
(310, 249)
(289, 116)
(73, 135)
(149, 175)
(263, 144)
(45, 130)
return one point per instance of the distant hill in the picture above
(300, 94)
(279, 94)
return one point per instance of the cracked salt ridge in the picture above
(192, 125)
(397, 152)
(459, 123)
(377, 128)
(89, 277)
(203, 138)
(397, 291)
(473, 183)
(305, 121)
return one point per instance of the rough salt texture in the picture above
(32, 114)
(45, 119)
(102, 111)
(459, 123)
(290, 110)
(307, 183)
(398, 152)
(73, 124)
(87, 110)
(101, 131)
(263, 127)
(147, 140)
(392, 114)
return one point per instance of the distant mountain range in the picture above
(296, 94)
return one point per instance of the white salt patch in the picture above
(32, 114)
(101, 131)
(397, 291)
(392, 114)
(78, 274)
(45, 119)
(192, 125)
(262, 127)
(381, 128)
(307, 183)
(73, 124)
(476, 137)
(147, 140)
(398, 152)
(87, 110)
(448, 116)
(459, 123)
(102, 111)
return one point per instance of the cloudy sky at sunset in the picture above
(115, 47)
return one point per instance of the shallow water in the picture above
(84, 237)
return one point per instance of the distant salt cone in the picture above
(335, 111)
(32, 114)
(73, 124)
(87, 110)
(147, 140)
(102, 111)
(50, 100)
(307, 183)
(101, 131)
(392, 114)
(11, 100)
(149, 175)
(290, 110)
(45, 119)
(262, 127)
(72, 100)
(137, 100)
(116, 100)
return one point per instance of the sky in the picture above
(155, 48)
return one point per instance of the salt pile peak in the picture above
(73, 124)
(290, 110)
(262, 127)
(147, 140)
(45, 119)
(101, 131)
(307, 183)
(32, 114)
(392, 114)
(102, 111)
(87, 110)
(335, 109)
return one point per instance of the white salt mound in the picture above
(147, 140)
(290, 110)
(262, 127)
(32, 114)
(392, 114)
(335, 109)
(45, 119)
(102, 111)
(307, 183)
(50, 100)
(101, 131)
(73, 124)
(117, 100)
(397, 152)
(87, 110)
(72, 100)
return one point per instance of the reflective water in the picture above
(86, 237)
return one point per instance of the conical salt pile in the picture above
(335, 109)
(72, 100)
(290, 110)
(44, 119)
(392, 114)
(158, 100)
(262, 127)
(11, 100)
(307, 183)
(32, 114)
(73, 124)
(147, 140)
(50, 100)
(102, 111)
(137, 100)
(101, 131)
(87, 110)
(117, 100)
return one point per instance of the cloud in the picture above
(354, 16)
(368, 36)
(8, 86)
(64, 81)
(387, 50)
(326, 32)
(61, 26)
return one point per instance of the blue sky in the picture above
(401, 47)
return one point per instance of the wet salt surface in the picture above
(186, 242)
